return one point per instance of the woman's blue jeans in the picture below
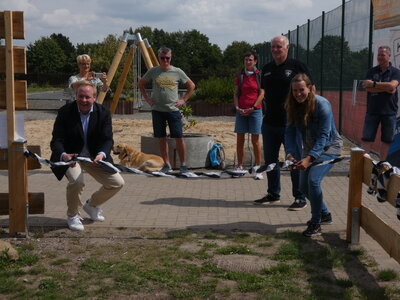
(310, 185)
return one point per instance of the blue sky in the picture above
(221, 21)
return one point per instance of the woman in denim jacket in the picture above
(312, 115)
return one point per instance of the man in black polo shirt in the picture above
(275, 80)
(381, 84)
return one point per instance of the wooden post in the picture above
(10, 86)
(122, 79)
(355, 186)
(17, 187)
(145, 53)
(114, 66)
(17, 163)
(153, 57)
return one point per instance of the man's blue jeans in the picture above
(310, 185)
(273, 138)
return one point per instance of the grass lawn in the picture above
(33, 88)
(124, 263)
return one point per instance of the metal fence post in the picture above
(355, 226)
(308, 41)
(371, 30)
(341, 68)
(297, 42)
(322, 54)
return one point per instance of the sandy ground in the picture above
(129, 130)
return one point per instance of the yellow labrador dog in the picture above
(132, 158)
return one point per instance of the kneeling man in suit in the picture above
(83, 128)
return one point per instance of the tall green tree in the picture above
(45, 56)
(233, 57)
(69, 50)
(194, 53)
(192, 50)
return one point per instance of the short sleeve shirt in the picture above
(275, 80)
(382, 103)
(75, 78)
(165, 85)
(249, 90)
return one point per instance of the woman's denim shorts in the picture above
(249, 124)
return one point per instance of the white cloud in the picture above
(24, 5)
(282, 5)
(63, 17)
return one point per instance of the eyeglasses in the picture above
(85, 63)
(165, 57)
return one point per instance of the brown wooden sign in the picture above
(19, 59)
(21, 102)
(35, 200)
(18, 25)
(32, 163)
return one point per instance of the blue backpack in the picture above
(216, 157)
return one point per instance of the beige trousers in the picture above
(111, 184)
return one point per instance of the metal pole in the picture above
(297, 42)
(308, 41)
(355, 226)
(371, 31)
(322, 53)
(341, 68)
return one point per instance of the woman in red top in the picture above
(247, 99)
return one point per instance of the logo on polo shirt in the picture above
(288, 73)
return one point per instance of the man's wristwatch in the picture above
(255, 107)
(374, 85)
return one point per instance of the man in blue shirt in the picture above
(381, 84)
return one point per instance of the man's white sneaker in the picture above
(75, 223)
(257, 176)
(94, 212)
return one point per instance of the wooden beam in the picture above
(145, 55)
(113, 68)
(122, 79)
(20, 95)
(32, 163)
(19, 59)
(393, 188)
(10, 89)
(355, 186)
(36, 203)
(384, 234)
(367, 170)
(18, 25)
(17, 187)
(153, 57)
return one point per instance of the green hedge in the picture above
(215, 90)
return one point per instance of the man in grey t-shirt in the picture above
(165, 104)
